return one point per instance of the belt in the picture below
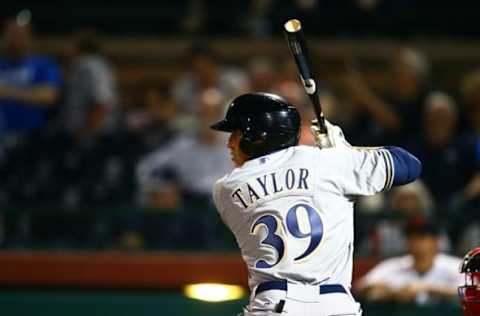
(283, 286)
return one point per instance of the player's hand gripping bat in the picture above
(298, 49)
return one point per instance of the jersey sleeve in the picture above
(157, 169)
(383, 273)
(452, 276)
(407, 167)
(378, 274)
(363, 172)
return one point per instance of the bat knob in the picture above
(292, 26)
(309, 85)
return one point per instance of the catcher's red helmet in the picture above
(470, 292)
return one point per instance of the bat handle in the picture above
(321, 125)
(323, 141)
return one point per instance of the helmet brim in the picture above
(223, 126)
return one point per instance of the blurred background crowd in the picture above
(104, 146)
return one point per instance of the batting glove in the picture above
(333, 138)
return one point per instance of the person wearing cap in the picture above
(423, 276)
(167, 177)
(29, 83)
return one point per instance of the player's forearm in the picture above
(407, 167)
(444, 292)
(402, 296)
(378, 293)
(44, 95)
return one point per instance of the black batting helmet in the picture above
(267, 121)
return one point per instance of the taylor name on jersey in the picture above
(272, 185)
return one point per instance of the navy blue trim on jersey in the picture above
(282, 285)
(389, 169)
(406, 166)
(271, 285)
(332, 288)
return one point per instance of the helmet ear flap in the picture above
(246, 146)
(252, 144)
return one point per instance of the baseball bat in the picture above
(298, 48)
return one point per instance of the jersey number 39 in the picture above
(293, 227)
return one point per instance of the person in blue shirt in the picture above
(29, 84)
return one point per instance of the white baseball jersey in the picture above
(292, 211)
(399, 272)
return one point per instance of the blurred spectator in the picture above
(205, 72)
(471, 96)
(257, 22)
(91, 96)
(295, 93)
(189, 164)
(155, 120)
(29, 84)
(209, 17)
(261, 74)
(469, 236)
(288, 85)
(396, 116)
(288, 71)
(406, 203)
(423, 276)
(446, 155)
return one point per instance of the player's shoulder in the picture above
(305, 150)
(396, 263)
(312, 150)
(220, 182)
(218, 187)
(445, 260)
(232, 179)
(326, 156)
(228, 182)
(301, 154)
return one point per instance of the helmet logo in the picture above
(309, 85)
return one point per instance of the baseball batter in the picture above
(290, 207)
